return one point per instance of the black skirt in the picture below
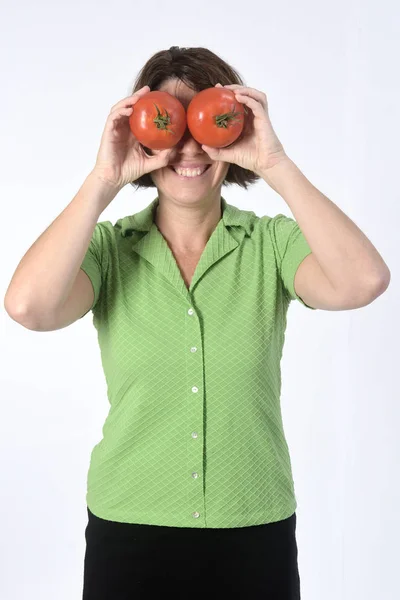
(125, 561)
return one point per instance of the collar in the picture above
(143, 220)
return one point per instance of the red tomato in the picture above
(215, 118)
(158, 120)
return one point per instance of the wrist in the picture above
(103, 182)
(277, 173)
(103, 190)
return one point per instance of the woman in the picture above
(190, 491)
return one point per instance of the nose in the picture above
(187, 141)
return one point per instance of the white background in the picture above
(331, 77)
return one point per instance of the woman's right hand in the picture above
(121, 159)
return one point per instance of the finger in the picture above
(129, 100)
(260, 96)
(257, 108)
(116, 118)
(120, 112)
(257, 95)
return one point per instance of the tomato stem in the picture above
(224, 119)
(162, 121)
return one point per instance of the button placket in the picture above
(194, 373)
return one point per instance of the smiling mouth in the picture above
(190, 176)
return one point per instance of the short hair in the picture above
(198, 68)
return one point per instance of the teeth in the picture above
(191, 172)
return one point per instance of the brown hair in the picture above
(198, 68)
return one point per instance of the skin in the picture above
(189, 210)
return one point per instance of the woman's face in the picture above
(188, 150)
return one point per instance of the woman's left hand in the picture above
(258, 147)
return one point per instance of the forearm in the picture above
(344, 253)
(46, 273)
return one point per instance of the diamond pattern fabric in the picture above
(194, 434)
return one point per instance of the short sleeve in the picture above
(291, 248)
(93, 262)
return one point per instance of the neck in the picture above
(187, 228)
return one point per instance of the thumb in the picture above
(162, 158)
(223, 154)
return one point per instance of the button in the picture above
(194, 349)
(196, 514)
(195, 475)
(190, 311)
(195, 389)
(194, 434)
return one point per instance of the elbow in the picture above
(376, 288)
(380, 285)
(363, 294)
(20, 315)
